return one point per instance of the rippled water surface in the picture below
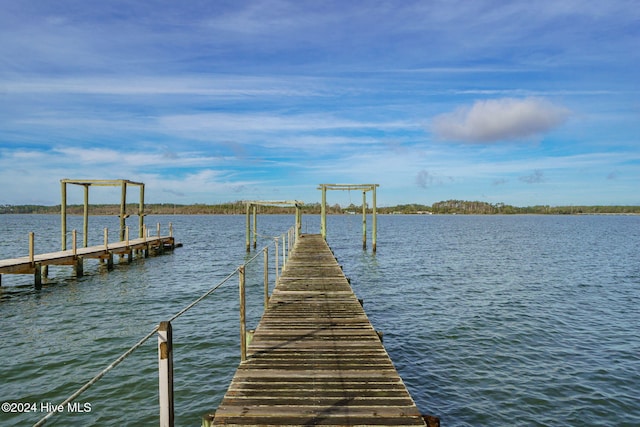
(490, 320)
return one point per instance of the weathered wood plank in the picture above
(315, 359)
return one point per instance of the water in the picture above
(490, 320)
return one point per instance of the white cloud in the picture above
(264, 122)
(499, 119)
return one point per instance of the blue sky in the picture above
(521, 102)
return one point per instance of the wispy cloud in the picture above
(534, 178)
(424, 179)
(499, 120)
(144, 85)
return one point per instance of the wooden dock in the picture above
(34, 264)
(315, 358)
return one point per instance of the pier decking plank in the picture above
(315, 358)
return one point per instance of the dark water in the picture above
(490, 320)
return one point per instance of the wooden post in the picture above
(323, 212)
(284, 256)
(165, 374)
(63, 215)
(141, 212)
(243, 325)
(255, 226)
(247, 231)
(364, 220)
(37, 268)
(37, 275)
(375, 220)
(123, 210)
(32, 239)
(85, 224)
(106, 248)
(77, 266)
(129, 252)
(160, 244)
(207, 419)
(298, 222)
(266, 277)
(276, 257)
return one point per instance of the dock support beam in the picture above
(85, 225)
(63, 215)
(248, 229)
(141, 212)
(375, 219)
(255, 226)
(37, 275)
(364, 220)
(123, 210)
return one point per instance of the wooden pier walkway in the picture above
(315, 358)
(33, 264)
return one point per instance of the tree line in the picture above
(461, 207)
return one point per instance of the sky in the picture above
(519, 102)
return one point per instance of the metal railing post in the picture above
(165, 370)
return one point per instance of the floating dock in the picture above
(315, 359)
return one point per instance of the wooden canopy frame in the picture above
(361, 187)
(86, 183)
(281, 203)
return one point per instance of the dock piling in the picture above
(364, 220)
(255, 226)
(37, 275)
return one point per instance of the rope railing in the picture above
(165, 340)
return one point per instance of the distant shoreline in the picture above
(450, 207)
